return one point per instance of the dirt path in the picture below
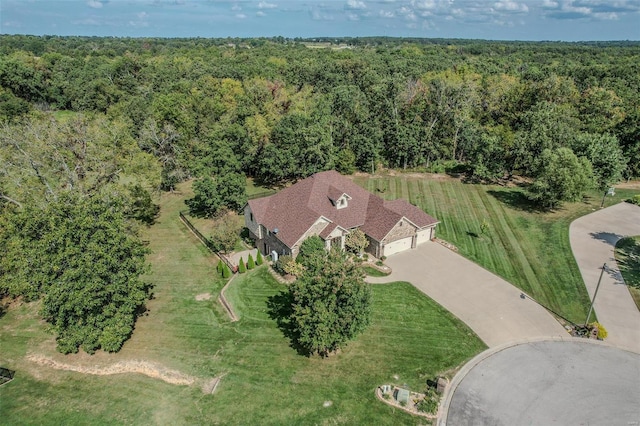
(155, 371)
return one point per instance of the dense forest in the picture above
(97, 125)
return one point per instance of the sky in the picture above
(553, 20)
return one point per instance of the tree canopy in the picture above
(78, 255)
(330, 306)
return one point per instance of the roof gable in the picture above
(296, 208)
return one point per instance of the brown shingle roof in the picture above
(411, 212)
(293, 210)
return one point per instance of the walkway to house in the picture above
(235, 257)
(488, 304)
(593, 239)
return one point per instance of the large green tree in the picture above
(330, 306)
(79, 256)
(213, 195)
(562, 177)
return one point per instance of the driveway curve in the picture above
(593, 239)
(570, 382)
(488, 304)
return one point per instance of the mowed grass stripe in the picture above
(513, 246)
(528, 248)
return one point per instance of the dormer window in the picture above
(342, 201)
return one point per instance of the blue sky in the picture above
(566, 20)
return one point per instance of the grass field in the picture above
(527, 247)
(628, 258)
(264, 381)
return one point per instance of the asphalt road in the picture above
(570, 382)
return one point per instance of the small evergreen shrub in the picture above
(241, 268)
(250, 263)
(226, 272)
(259, 260)
(219, 267)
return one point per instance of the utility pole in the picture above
(596, 293)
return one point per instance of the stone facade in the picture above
(315, 229)
(251, 223)
(402, 229)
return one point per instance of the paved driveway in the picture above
(593, 239)
(485, 302)
(575, 382)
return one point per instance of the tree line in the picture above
(89, 121)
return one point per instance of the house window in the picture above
(401, 223)
(251, 217)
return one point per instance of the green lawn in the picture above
(373, 272)
(628, 258)
(265, 381)
(527, 247)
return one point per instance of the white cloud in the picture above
(260, 13)
(353, 17)
(142, 15)
(356, 4)
(266, 5)
(424, 4)
(386, 14)
(236, 8)
(96, 4)
(241, 16)
(511, 6)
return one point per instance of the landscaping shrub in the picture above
(241, 268)
(259, 260)
(602, 332)
(226, 272)
(430, 402)
(219, 267)
(634, 200)
(250, 263)
(282, 261)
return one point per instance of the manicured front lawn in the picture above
(527, 247)
(628, 258)
(264, 380)
(373, 272)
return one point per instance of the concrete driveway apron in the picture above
(488, 304)
(593, 238)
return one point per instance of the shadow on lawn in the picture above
(279, 309)
(517, 199)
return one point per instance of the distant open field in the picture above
(191, 342)
(528, 247)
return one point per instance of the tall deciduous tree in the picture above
(330, 306)
(213, 195)
(79, 256)
(562, 177)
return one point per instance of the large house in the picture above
(330, 205)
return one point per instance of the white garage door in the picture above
(423, 236)
(397, 246)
